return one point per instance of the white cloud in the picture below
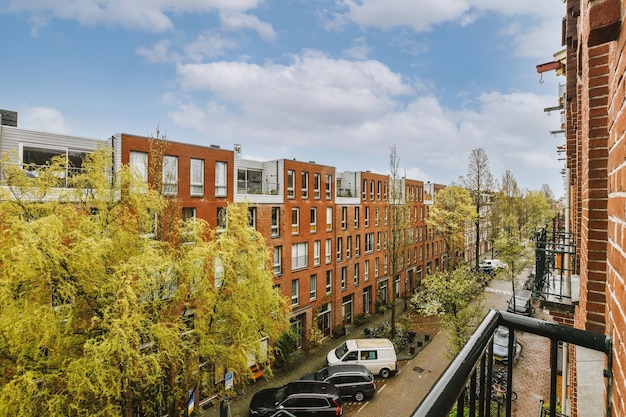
(235, 21)
(145, 15)
(44, 119)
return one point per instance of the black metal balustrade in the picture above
(467, 382)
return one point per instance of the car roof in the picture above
(311, 387)
(346, 368)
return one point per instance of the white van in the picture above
(377, 355)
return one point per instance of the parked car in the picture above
(493, 263)
(351, 380)
(301, 398)
(521, 303)
(501, 345)
(377, 355)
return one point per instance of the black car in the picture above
(301, 398)
(351, 380)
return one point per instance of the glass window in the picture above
(317, 248)
(170, 175)
(329, 282)
(329, 219)
(249, 181)
(291, 174)
(313, 225)
(316, 185)
(294, 292)
(197, 178)
(329, 184)
(275, 221)
(139, 164)
(220, 179)
(305, 184)
(299, 255)
(295, 221)
(329, 244)
(313, 287)
(278, 260)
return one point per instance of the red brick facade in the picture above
(595, 38)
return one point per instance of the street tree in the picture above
(98, 316)
(479, 182)
(456, 297)
(398, 212)
(449, 214)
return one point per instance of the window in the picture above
(349, 247)
(305, 184)
(249, 181)
(378, 240)
(275, 221)
(316, 185)
(313, 226)
(278, 251)
(357, 214)
(138, 164)
(357, 246)
(386, 216)
(339, 248)
(291, 178)
(295, 221)
(329, 184)
(294, 292)
(367, 216)
(344, 218)
(369, 242)
(189, 213)
(386, 264)
(372, 190)
(222, 218)
(188, 217)
(188, 321)
(196, 179)
(313, 287)
(317, 248)
(366, 270)
(329, 219)
(329, 282)
(170, 175)
(376, 215)
(376, 267)
(299, 255)
(378, 189)
(344, 277)
(220, 179)
(252, 217)
(329, 249)
(364, 190)
(356, 274)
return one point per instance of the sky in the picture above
(338, 82)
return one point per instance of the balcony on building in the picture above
(259, 181)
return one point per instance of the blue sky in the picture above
(333, 81)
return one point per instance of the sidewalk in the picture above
(305, 362)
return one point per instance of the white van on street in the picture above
(377, 355)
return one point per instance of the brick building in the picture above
(592, 102)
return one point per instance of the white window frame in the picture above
(366, 270)
(299, 256)
(317, 248)
(291, 179)
(305, 184)
(278, 255)
(329, 282)
(313, 287)
(275, 228)
(329, 219)
(295, 222)
(221, 185)
(317, 179)
(313, 225)
(139, 164)
(295, 284)
(329, 250)
(329, 185)
(196, 177)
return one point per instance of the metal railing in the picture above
(467, 382)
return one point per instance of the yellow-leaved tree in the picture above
(98, 317)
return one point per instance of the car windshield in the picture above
(280, 395)
(341, 350)
(321, 374)
(520, 301)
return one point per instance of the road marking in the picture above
(497, 291)
(362, 407)
(381, 388)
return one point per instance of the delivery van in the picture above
(377, 355)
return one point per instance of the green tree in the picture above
(479, 182)
(397, 225)
(456, 297)
(450, 212)
(97, 316)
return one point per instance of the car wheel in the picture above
(384, 373)
(359, 396)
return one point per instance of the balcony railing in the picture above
(467, 382)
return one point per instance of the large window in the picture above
(197, 178)
(249, 181)
(35, 157)
(170, 175)
(220, 179)
(299, 255)
(369, 242)
(139, 164)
